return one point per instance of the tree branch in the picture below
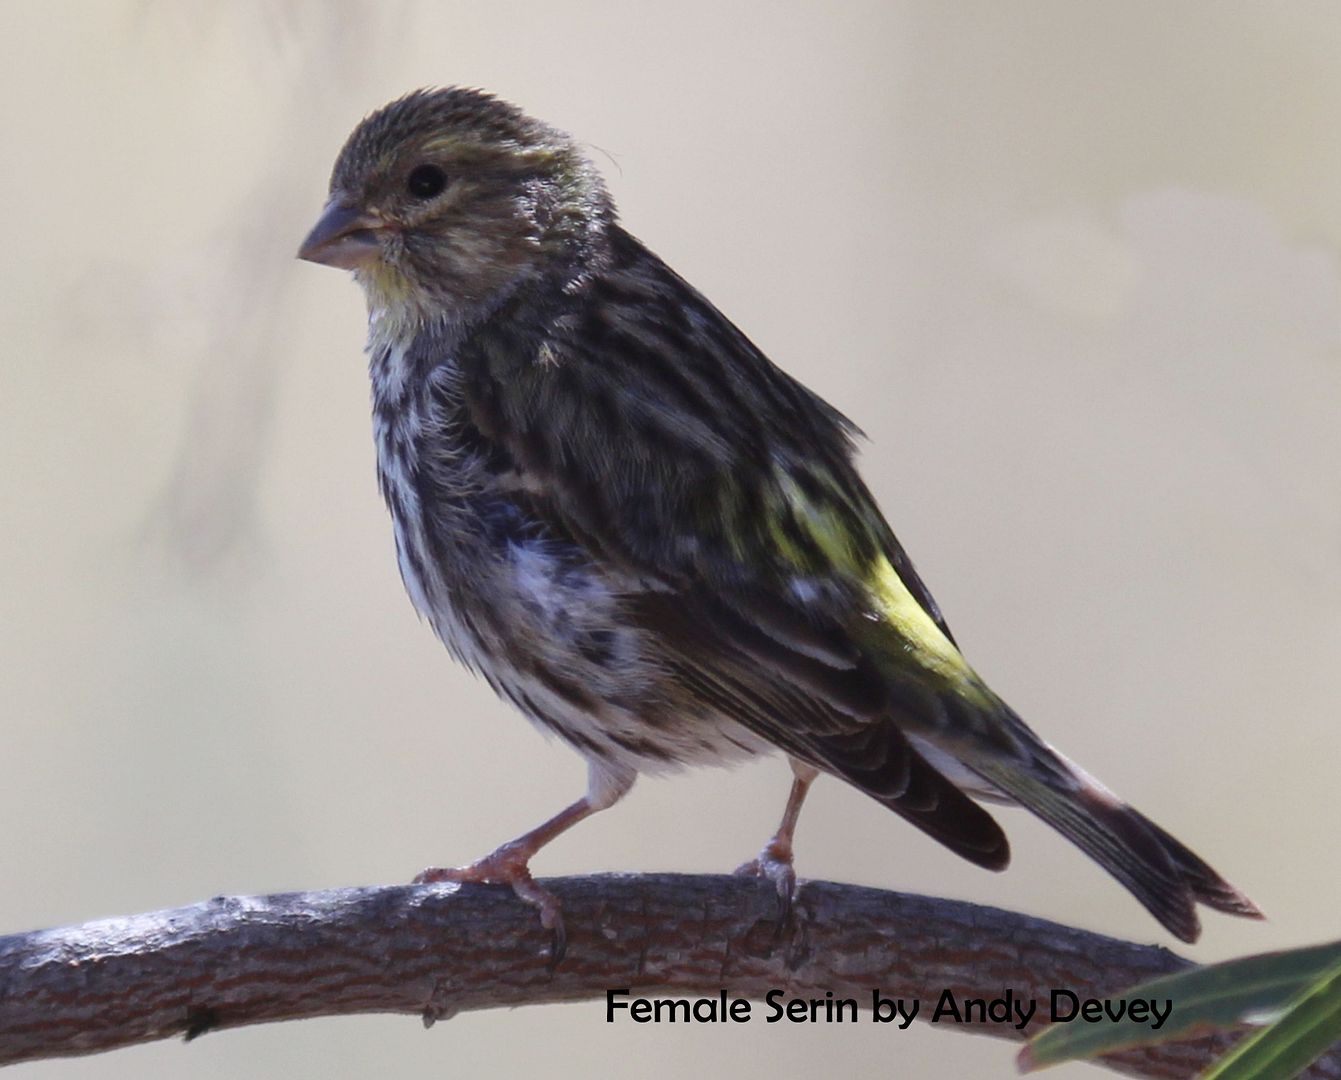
(436, 950)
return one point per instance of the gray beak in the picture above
(343, 236)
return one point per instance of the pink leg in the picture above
(774, 862)
(509, 864)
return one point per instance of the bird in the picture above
(650, 539)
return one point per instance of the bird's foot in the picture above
(774, 863)
(508, 866)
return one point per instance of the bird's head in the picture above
(445, 200)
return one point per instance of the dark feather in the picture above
(868, 751)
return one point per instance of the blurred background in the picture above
(1072, 266)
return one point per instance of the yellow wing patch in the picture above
(916, 629)
(906, 634)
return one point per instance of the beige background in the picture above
(1072, 266)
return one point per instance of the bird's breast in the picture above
(528, 608)
(497, 585)
(434, 489)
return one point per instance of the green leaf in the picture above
(1292, 1043)
(1219, 997)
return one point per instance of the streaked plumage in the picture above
(645, 535)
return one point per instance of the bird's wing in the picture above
(651, 431)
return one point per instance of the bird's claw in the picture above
(509, 867)
(774, 864)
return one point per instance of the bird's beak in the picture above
(343, 236)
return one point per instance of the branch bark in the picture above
(435, 950)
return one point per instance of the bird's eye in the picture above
(425, 181)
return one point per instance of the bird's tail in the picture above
(1157, 869)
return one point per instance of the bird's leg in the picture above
(509, 863)
(774, 862)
